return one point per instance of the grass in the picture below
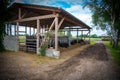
(22, 39)
(93, 40)
(114, 52)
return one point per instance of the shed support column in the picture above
(17, 24)
(19, 14)
(81, 34)
(30, 31)
(38, 34)
(6, 29)
(34, 31)
(56, 33)
(15, 30)
(77, 35)
(69, 36)
(10, 29)
(25, 30)
(89, 35)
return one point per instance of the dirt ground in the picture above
(78, 63)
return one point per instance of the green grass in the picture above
(93, 40)
(114, 52)
(22, 39)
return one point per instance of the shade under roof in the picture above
(30, 10)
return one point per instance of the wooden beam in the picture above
(35, 18)
(56, 33)
(38, 34)
(52, 25)
(19, 14)
(43, 8)
(61, 22)
(22, 16)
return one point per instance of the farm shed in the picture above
(41, 19)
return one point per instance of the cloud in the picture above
(98, 32)
(80, 13)
(85, 16)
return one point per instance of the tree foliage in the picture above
(94, 36)
(106, 15)
(3, 18)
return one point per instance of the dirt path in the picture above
(94, 63)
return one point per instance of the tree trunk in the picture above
(114, 31)
(111, 40)
(115, 39)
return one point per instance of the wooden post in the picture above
(10, 27)
(19, 14)
(25, 30)
(56, 33)
(84, 36)
(81, 34)
(7, 29)
(17, 34)
(15, 30)
(38, 38)
(77, 35)
(89, 35)
(69, 36)
(34, 31)
(30, 30)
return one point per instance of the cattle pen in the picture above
(38, 22)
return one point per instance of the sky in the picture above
(75, 7)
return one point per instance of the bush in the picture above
(42, 51)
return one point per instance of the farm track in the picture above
(90, 63)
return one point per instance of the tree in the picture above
(3, 18)
(94, 36)
(106, 15)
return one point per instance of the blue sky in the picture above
(72, 6)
